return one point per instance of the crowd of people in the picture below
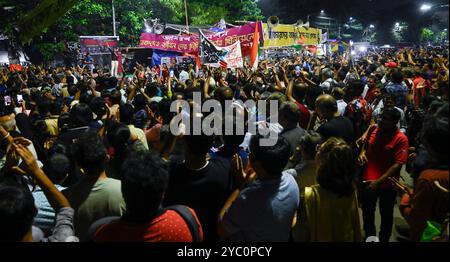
(90, 156)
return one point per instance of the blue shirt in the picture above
(45, 218)
(399, 91)
(263, 211)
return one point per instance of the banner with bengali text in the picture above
(189, 44)
(232, 56)
(289, 35)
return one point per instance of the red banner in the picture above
(176, 43)
(189, 44)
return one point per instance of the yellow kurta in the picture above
(323, 217)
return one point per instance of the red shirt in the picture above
(304, 115)
(168, 227)
(428, 203)
(420, 86)
(371, 95)
(383, 152)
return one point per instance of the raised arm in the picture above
(289, 92)
(277, 80)
(410, 59)
(56, 199)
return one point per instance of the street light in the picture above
(397, 24)
(425, 7)
(322, 13)
(372, 26)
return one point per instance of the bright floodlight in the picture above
(351, 18)
(362, 49)
(425, 7)
(353, 53)
(351, 42)
(397, 24)
(322, 11)
(372, 26)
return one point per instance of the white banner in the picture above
(233, 56)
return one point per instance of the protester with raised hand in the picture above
(17, 208)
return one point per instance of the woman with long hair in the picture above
(329, 210)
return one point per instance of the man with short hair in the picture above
(336, 125)
(88, 61)
(288, 116)
(144, 181)
(296, 92)
(126, 112)
(338, 94)
(95, 196)
(199, 183)
(389, 102)
(398, 88)
(183, 75)
(328, 83)
(57, 168)
(263, 206)
(370, 88)
(386, 153)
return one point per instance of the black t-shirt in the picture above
(68, 139)
(293, 136)
(205, 191)
(114, 56)
(340, 127)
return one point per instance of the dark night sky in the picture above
(382, 13)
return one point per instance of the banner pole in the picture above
(114, 18)
(186, 13)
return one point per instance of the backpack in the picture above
(190, 220)
(183, 211)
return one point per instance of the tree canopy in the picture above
(94, 17)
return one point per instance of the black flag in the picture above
(209, 54)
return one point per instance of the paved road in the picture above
(397, 216)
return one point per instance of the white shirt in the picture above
(366, 90)
(341, 106)
(184, 76)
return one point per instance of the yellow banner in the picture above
(289, 35)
